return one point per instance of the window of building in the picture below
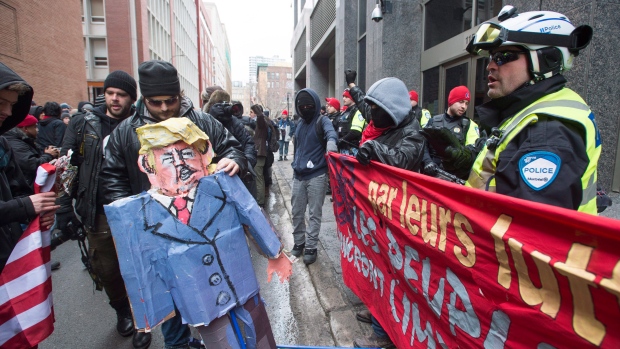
(362, 12)
(97, 11)
(430, 88)
(277, 76)
(289, 76)
(100, 53)
(481, 89)
(455, 76)
(445, 19)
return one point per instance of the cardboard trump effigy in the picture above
(183, 242)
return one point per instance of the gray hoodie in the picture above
(391, 95)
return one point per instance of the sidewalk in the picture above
(337, 302)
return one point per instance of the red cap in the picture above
(413, 96)
(284, 112)
(347, 94)
(28, 121)
(459, 93)
(333, 102)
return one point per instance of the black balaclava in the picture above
(304, 100)
(380, 118)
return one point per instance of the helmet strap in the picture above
(545, 63)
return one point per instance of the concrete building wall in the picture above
(50, 57)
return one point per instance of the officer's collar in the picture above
(492, 113)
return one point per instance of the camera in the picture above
(73, 231)
(377, 14)
(234, 108)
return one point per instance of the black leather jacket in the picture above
(27, 155)
(84, 137)
(401, 146)
(120, 173)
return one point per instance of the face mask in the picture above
(381, 118)
(307, 113)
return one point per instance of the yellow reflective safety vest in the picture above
(426, 115)
(563, 105)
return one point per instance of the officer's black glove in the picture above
(350, 75)
(430, 169)
(363, 155)
(458, 157)
(439, 138)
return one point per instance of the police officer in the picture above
(545, 144)
(350, 125)
(423, 115)
(451, 137)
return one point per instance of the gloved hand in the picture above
(331, 146)
(62, 219)
(439, 138)
(364, 154)
(458, 157)
(430, 169)
(350, 75)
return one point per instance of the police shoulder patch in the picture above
(539, 169)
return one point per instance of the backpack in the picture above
(272, 134)
(320, 132)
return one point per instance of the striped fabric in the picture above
(26, 311)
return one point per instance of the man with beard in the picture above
(87, 137)
(452, 137)
(162, 99)
(310, 172)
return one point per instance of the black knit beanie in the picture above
(158, 78)
(122, 80)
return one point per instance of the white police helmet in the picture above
(550, 38)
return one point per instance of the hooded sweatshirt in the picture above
(12, 211)
(309, 159)
(392, 96)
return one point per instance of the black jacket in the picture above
(401, 146)
(121, 175)
(549, 134)
(84, 136)
(358, 96)
(237, 128)
(51, 132)
(13, 208)
(27, 155)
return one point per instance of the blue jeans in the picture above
(376, 326)
(308, 194)
(176, 334)
(283, 147)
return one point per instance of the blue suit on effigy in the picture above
(204, 267)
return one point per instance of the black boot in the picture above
(124, 321)
(141, 340)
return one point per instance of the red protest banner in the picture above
(442, 265)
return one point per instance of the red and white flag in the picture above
(26, 309)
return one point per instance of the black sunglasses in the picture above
(169, 102)
(501, 58)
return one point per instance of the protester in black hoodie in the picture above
(15, 206)
(51, 128)
(87, 137)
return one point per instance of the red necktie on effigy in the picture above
(182, 212)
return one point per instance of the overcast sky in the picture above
(256, 28)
